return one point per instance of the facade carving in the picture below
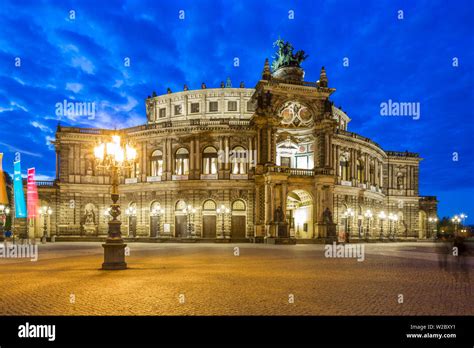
(278, 156)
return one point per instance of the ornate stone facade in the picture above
(278, 156)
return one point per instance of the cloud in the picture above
(16, 149)
(41, 126)
(74, 87)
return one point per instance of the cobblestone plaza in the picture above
(208, 279)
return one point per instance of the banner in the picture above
(31, 194)
(20, 206)
(3, 188)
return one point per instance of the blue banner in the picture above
(20, 206)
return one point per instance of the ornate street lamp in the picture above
(393, 218)
(114, 156)
(381, 217)
(368, 215)
(158, 211)
(45, 211)
(433, 221)
(222, 212)
(190, 211)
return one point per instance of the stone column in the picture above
(169, 159)
(250, 153)
(197, 160)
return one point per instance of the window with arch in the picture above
(238, 205)
(209, 206)
(156, 163)
(180, 205)
(239, 160)
(209, 160)
(182, 162)
(360, 171)
(344, 168)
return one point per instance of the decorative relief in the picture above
(294, 114)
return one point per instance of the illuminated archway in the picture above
(299, 213)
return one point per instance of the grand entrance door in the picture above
(209, 226)
(154, 226)
(238, 222)
(299, 214)
(238, 227)
(180, 223)
(132, 226)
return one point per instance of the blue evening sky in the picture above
(82, 59)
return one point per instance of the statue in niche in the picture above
(400, 182)
(89, 214)
(278, 215)
(90, 223)
(327, 216)
(89, 166)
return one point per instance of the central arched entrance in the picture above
(299, 213)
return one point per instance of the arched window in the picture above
(238, 205)
(156, 163)
(239, 160)
(209, 160)
(180, 205)
(344, 168)
(182, 162)
(360, 171)
(209, 206)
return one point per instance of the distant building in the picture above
(278, 156)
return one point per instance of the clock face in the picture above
(296, 115)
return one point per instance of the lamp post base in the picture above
(114, 256)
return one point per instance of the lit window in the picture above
(182, 162)
(360, 171)
(344, 169)
(239, 160)
(209, 160)
(156, 163)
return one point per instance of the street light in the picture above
(381, 217)
(456, 220)
(368, 215)
(222, 212)
(114, 156)
(158, 211)
(433, 221)
(45, 211)
(347, 215)
(393, 218)
(190, 211)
